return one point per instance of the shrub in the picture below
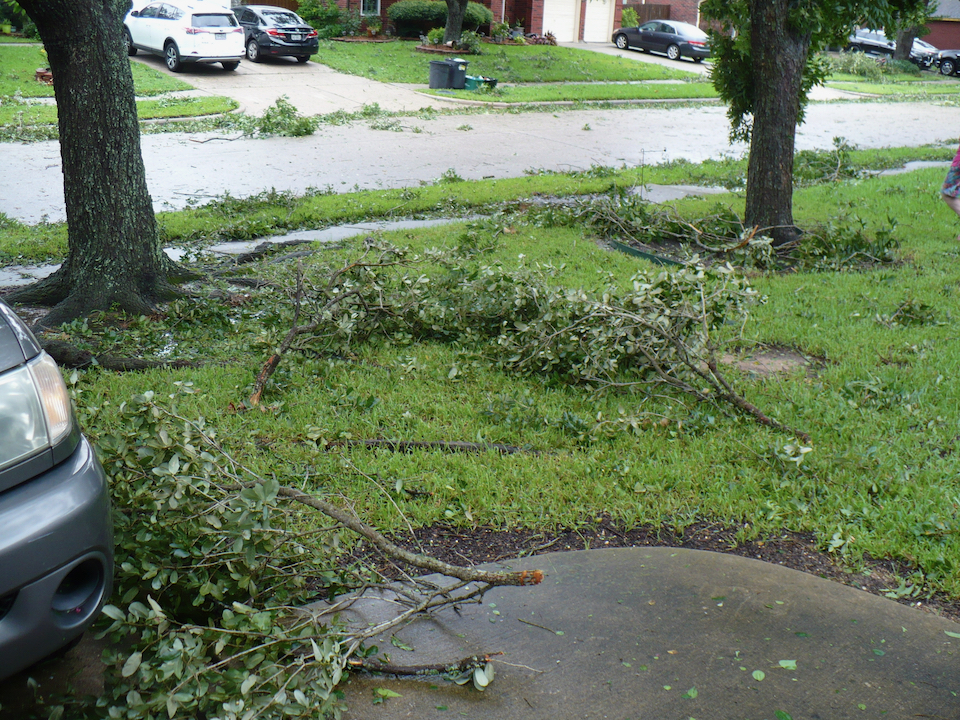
(869, 66)
(416, 17)
(325, 17)
(499, 31)
(470, 42)
(629, 18)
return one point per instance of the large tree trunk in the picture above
(905, 40)
(779, 55)
(456, 9)
(114, 259)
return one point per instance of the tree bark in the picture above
(456, 9)
(114, 259)
(905, 40)
(780, 54)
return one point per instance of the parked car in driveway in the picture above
(922, 54)
(56, 537)
(948, 61)
(276, 31)
(185, 32)
(676, 39)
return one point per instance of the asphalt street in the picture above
(419, 149)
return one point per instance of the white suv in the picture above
(186, 32)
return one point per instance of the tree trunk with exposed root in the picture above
(114, 259)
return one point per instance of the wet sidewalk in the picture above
(643, 634)
(671, 634)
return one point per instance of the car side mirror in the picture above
(135, 13)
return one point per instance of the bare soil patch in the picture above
(798, 551)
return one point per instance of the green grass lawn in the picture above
(20, 62)
(586, 92)
(44, 114)
(399, 62)
(879, 400)
(910, 89)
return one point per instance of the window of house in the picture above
(370, 7)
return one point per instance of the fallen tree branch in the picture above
(70, 356)
(425, 562)
(468, 663)
(452, 446)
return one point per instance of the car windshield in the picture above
(214, 20)
(282, 18)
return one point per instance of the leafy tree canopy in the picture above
(826, 22)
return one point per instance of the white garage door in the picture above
(560, 18)
(598, 21)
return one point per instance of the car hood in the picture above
(17, 343)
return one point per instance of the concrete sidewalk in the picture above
(312, 88)
(671, 634)
(640, 633)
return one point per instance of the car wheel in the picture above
(128, 41)
(621, 42)
(673, 52)
(302, 58)
(232, 65)
(947, 67)
(698, 60)
(253, 51)
(172, 57)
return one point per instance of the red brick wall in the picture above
(944, 34)
(687, 11)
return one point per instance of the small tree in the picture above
(765, 64)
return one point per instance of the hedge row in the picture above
(416, 17)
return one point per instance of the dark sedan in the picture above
(676, 39)
(275, 31)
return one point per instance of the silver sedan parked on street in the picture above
(56, 537)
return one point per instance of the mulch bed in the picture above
(438, 50)
(798, 551)
(365, 39)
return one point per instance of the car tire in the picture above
(253, 50)
(855, 48)
(231, 66)
(947, 67)
(673, 52)
(302, 59)
(171, 55)
(698, 60)
(621, 42)
(131, 50)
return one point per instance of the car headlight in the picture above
(35, 411)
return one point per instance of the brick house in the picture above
(944, 25)
(569, 20)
